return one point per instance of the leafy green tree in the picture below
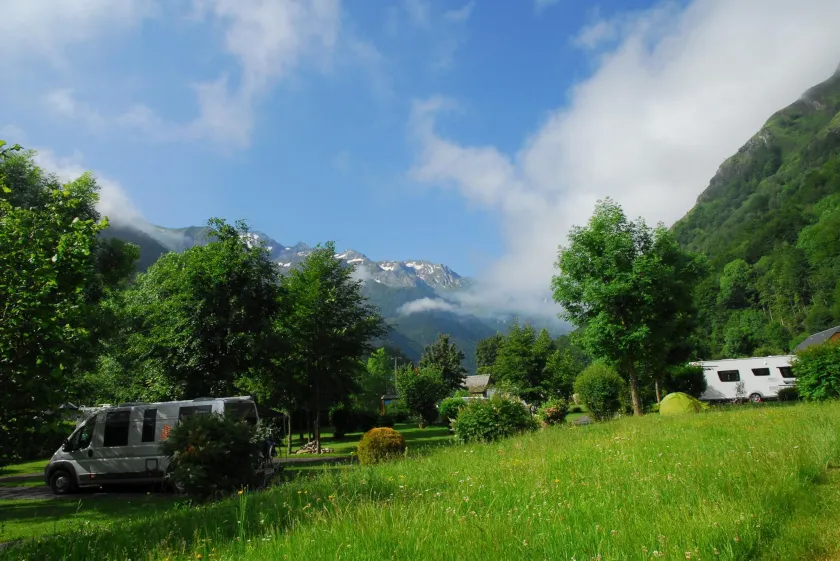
(516, 368)
(628, 286)
(46, 265)
(420, 389)
(330, 327)
(446, 357)
(817, 371)
(376, 380)
(202, 322)
(600, 388)
(487, 349)
(560, 372)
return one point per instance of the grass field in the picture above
(415, 437)
(749, 483)
(35, 466)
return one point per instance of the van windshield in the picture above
(243, 410)
(81, 438)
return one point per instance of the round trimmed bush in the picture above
(485, 420)
(380, 444)
(600, 389)
(553, 412)
(450, 407)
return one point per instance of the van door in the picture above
(79, 449)
(112, 455)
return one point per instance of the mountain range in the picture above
(390, 285)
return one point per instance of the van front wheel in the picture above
(61, 482)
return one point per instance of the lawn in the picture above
(749, 483)
(26, 468)
(416, 439)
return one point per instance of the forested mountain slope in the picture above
(770, 223)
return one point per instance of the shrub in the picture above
(385, 420)
(575, 409)
(817, 371)
(450, 406)
(553, 411)
(686, 379)
(789, 393)
(485, 420)
(210, 454)
(398, 411)
(345, 419)
(600, 389)
(380, 444)
(421, 390)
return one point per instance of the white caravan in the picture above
(759, 378)
(121, 444)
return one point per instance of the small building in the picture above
(479, 385)
(832, 334)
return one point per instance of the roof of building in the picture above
(477, 383)
(818, 338)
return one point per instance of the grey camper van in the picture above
(120, 444)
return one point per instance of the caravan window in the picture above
(729, 376)
(787, 372)
(116, 428)
(149, 420)
(761, 371)
(185, 412)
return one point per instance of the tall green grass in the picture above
(717, 485)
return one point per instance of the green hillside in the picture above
(770, 223)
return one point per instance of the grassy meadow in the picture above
(746, 483)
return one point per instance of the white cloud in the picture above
(46, 28)
(426, 305)
(540, 5)
(114, 203)
(681, 92)
(461, 14)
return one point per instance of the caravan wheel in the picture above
(755, 397)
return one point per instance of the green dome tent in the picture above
(679, 403)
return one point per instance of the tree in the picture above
(330, 326)
(421, 389)
(521, 361)
(446, 357)
(202, 322)
(46, 264)
(376, 380)
(487, 349)
(628, 286)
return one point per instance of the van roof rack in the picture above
(130, 403)
(205, 398)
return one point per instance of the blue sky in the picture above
(472, 133)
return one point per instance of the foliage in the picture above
(330, 328)
(685, 378)
(210, 309)
(629, 287)
(48, 268)
(600, 388)
(450, 406)
(385, 420)
(445, 356)
(211, 454)
(398, 410)
(553, 411)
(487, 349)
(485, 420)
(420, 390)
(376, 379)
(346, 418)
(768, 222)
(789, 393)
(817, 371)
(380, 444)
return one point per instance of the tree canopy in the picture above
(446, 357)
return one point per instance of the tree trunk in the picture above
(317, 417)
(634, 390)
(289, 424)
(656, 383)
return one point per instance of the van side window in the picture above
(761, 371)
(729, 376)
(81, 438)
(149, 421)
(185, 412)
(116, 428)
(787, 372)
